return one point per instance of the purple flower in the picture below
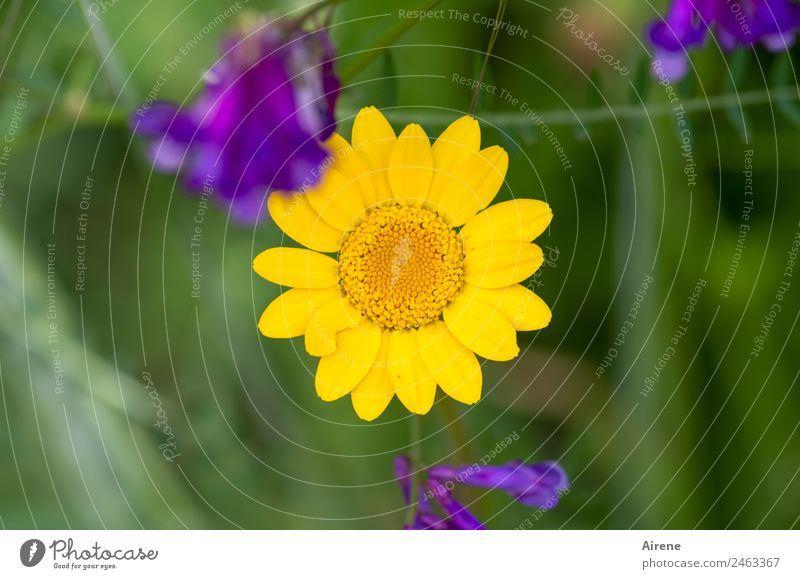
(533, 485)
(257, 126)
(740, 23)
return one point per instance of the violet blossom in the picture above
(259, 122)
(533, 485)
(736, 24)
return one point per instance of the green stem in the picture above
(372, 52)
(498, 19)
(456, 428)
(415, 453)
(102, 113)
(8, 25)
(576, 117)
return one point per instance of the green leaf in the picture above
(388, 89)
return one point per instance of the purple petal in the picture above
(425, 517)
(684, 26)
(778, 42)
(543, 485)
(250, 208)
(160, 119)
(167, 155)
(672, 65)
(458, 516)
(534, 485)
(744, 23)
(257, 125)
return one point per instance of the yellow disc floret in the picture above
(401, 266)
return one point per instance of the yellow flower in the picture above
(426, 275)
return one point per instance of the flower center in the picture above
(401, 266)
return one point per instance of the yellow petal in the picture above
(411, 165)
(414, 386)
(501, 264)
(481, 328)
(295, 267)
(524, 309)
(350, 164)
(295, 216)
(356, 350)
(331, 318)
(457, 144)
(373, 136)
(373, 394)
(337, 200)
(373, 139)
(515, 220)
(461, 193)
(453, 366)
(336, 143)
(288, 315)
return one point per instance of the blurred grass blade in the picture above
(109, 63)
(484, 103)
(640, 85)
(387, 86)
(783, 76)
(76, 418)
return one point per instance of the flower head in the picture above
(533, 485)
(257, 125)
(426, 276)
(741, 23)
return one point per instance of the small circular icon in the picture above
(31, 552)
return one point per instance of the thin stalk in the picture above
(613, 113)
(101, 112)
(501, 10)
(456, 428)
(316, 8)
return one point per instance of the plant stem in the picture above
(106, 58)
(501, 10)
(415, 453)
(102, 113)
(372, 52)
(577, 117)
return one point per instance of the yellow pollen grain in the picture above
(401, 266)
